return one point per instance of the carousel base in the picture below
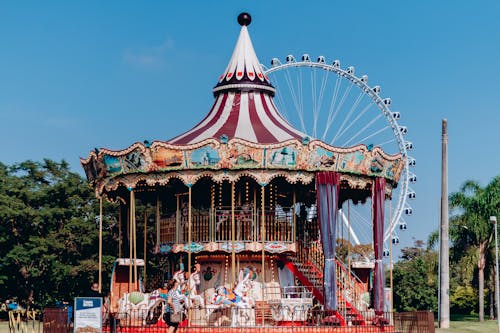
(284, 327)
(260, 329)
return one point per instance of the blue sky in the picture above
(79, 75)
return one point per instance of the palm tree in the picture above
(471, 208)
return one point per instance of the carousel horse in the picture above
(156, 307)
(133, 307)
(237, 299)
(138, 307)
(193, 296)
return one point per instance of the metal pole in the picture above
(144, 274)
(158, 226)
(100, 243)
(233, 253)
(493, 219)
(190, 232)
(444, 268)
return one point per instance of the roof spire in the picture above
(244, 72)
(244, 19)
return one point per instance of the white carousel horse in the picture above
(133, 307)
(239, 301)
(193, 296)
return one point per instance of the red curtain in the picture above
(378, 197)
(327, 194)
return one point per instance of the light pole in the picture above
(493, 219)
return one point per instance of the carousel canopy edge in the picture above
(237, 154)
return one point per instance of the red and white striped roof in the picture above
(243, 106)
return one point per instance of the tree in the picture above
(48, 233)
(415, 279)
(470, 228)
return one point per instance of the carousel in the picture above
(245, 211)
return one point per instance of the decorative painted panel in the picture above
(204, 157)
(166, 158)
(285, 157)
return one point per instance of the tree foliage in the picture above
(48, 233)
(471, 231)
(415, 279)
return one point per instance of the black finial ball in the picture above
(244, 19)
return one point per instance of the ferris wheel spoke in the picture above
(386, 142)
(362, 130)
(374, 134)
(348, 116)
(356, 119)
(295, 97)
(341, 103)
(332, 112)
(327, 108)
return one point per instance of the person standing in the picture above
(94, 290)
(173, 311)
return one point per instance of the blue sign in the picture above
(88, 315)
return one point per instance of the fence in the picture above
(56, 320)
(24, 321)
(414, 322)
(256, 320)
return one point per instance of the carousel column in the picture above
(145, 238)
(328, 187)
(378, 243)
(293, 236)
(178, 219)
(233, 254)
(158, 228)
(131, 237)
(120, 208)
(190, 235)
(262, 236)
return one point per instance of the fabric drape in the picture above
(327, 194)
(378, 244)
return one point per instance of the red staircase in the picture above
(307, 266)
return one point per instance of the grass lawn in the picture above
(469, 324)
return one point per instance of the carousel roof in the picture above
(243, 106)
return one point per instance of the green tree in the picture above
(48, 233)
(415, 279)
(470, 230)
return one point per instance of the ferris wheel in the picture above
(332, 104)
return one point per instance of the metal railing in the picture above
(216, 225)
(351, 292)
(260, 317)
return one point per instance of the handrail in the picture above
(215, 225)
(350, 288)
